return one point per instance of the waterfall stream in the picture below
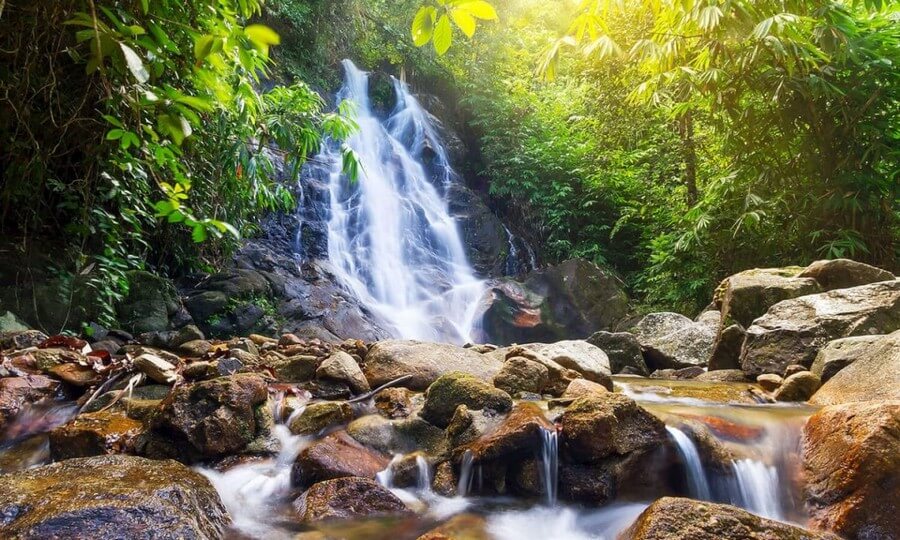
(696, 476)
(391, 238)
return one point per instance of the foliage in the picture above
(432, 22)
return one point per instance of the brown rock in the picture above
(726, 352)
(95, 434)
(583, 387)
(875, 375)
(340, 366)
(15, 392)
(459, 527)
(335, 456)
(520, 432)
(318, 416)
(844, 273)
(798, 387)
(769, 382)
(75, 374)
(394, 402)
(389, 360)
(445, 480)
(347, 498)
(520, 374)
(457, 388)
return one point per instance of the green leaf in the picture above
(135, 64)
(114, 134)
(262, 36)
(464, 21)
(199, 233)
(479, 9)
(203, 47)
(443, 35)
(423, 25)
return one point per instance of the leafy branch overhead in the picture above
(432, 23)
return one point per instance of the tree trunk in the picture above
(689, 155)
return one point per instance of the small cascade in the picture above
(756, 487)
(424, 477)
(466, 472)
(698, 485)
(521, 258)
(549, 464)
(386, 477)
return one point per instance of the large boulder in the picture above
(726, 353)
(152, 301)
(793, 331)
(672, 341)
(110, 497)
(95, 434)
(425, 362)
(587, 359)
(749, 294)
(211, 418)
(336, 456)
(519, 433)
(347, 498)
(520, 374)
(623, 350)
(840, 353)
(570, 300)
(673, 518)
(844, 273)
(457, 388)
(875, 375)
(484, 237)
(851, 457)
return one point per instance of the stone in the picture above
(319, 416)
(875, 375)
(336, 456)
(583, 387)
(588, 360)
(457, 388)
(683, 374)
(195, 348)
(347, 498)
(445, 480)
(654, 326)
(150, 303)
(851, 459)
(675, 518)
(520, 374)
(215, 417)
(94, 434)
(597, 427)
(156, 368)
(672, 341)
(425, 362)
(798, 387)
(521, 432)
(726, 353)
(793, 331)
(559, 377)
(747, 295)
(622, 349)
(484, 236)
(16, 392)
(723, 375)
(394, 402)
(10, 323)
(109, 497)
(340, 366)
(21, 339)
(299, 368)
(844, 274)
(459, 527)
(769, 382)
(572, 299)
(75, 375)
(840, 353)
(792, 369)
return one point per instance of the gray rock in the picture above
(844, 273)
(622, 349)
(875, 375)
(520, 374)
(672, 341)
(457, 388)
(587, 359)
(425, 362)
(726, 352)
(340, 366)
(749, 294)
(10, 323)
(151, 302)
(840, 353)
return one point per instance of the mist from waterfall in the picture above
(391, 238)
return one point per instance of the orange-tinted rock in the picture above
(520, 432)
(347, 498)
(335, 456)
(94, 434)
(459, 527)
(75, 374)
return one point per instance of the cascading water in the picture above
(391, 238)
(756, 488)
(549, 460)
(696, 476)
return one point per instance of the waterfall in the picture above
(466, 470)
(696, 476)
(391, 238)
(549, 463)
(756, 488)
(424, 470)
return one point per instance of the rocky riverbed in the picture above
(774, 414)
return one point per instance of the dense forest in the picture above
(673, 142)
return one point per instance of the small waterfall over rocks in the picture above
(391, 239)
(696, 476)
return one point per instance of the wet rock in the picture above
(844, 274)
(622, 349)
(749, 294)
(21, 339)
(347, 498)
(110, 497)
(793, 331)
(572, 299)
(769, 382)
(213, 418)
(151, 303)
(16, 392)
(394, 402)
(195, 348)
(520, 374)
(95, 434)
(558, 377)
(340, 366)
(596, 427)
(583, 387)
(723, 375)
(468, 426)
(111, 346)
(682, 374)
(484, 237)
(672, 518)
(459, 527)
(797, 387)
(851, 458)
(726, 353)
(336, 456)
(445, 480)
(672, 341)
(318, 416)
(156, 368)
(457, 388)
(588, 360)
(389, 360)
(289, 339)
(840, 353)
(299, 368)
(75, 375)
(46, 359)
(873, 376)
(520, 432)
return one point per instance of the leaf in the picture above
(135, 64)
(114, 134)
(199, 233)
(443, 35)
(262, 36)
(423, 25)
(203, 46)
(464, 21)
(479, 9)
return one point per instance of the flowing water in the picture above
(391, 238)
(696, 475)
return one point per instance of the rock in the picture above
(747, 295)
(340, 366)
(583, 387)
(851, 458)
(588, 360)
(840, 353)
(457, 388)
(445, 480)
(394, 402)
(459, 527)
(597, 427)
(798, 387)
(875, 375)
(156, 368)
(622, 349)
(672, 341)
(723, 375)
(215, 417)
(21, 339)
(484, 236)
(299, 368)
(195, 348)
(75, 375)
(769, 382)
(289, 339)
(110, 497)
(572, 299)
(520, 432)
(468, 426)
(673, 518)
(151, 301)
(47, 359)
(318, 416)
(844, 274)
(336, 456)
(792, 369)
(10, 323)
(94, 434)
(16, 392)
(793, 331)
(521, 375)
(398, 436)
(389, 360)
(347, 498)
(558, 377)
(683, 374)
(726, 353)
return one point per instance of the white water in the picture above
(391, 238)
(696, 476)
(756, 488)
(549, 464)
